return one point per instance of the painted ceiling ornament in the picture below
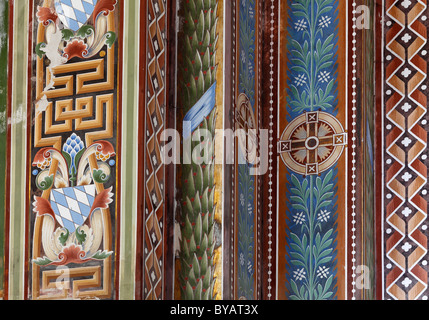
(312, 143)
(70, 32)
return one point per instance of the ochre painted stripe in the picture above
(129, 152)
(3, 127)
(18, 128)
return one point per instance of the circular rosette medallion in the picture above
(246, 128)
(312, 143)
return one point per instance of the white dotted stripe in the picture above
(354, 139)
(233, 148)
(259, 246)
(270, 157)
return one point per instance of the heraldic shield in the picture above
(73, 198)
(72, 206)
(74, 13)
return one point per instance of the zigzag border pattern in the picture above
(405, 142)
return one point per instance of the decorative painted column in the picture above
(89, 81)
(75, 150)
(246, 217)
(403, 149)
(200, 113)
(326, 193)
(71, 221)
(319, 214)
(156, 195)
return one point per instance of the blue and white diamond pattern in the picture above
(74, 13)
(72, 206)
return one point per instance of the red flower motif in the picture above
(71, 254)
(104, 7)
(45, 15)
(76, 48)
(105, 148)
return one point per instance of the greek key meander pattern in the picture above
(62, 110)
(83, 99)
(405, 137)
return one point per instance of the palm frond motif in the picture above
(198, 75)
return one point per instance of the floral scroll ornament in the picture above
(66, 42)
(73, 221)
